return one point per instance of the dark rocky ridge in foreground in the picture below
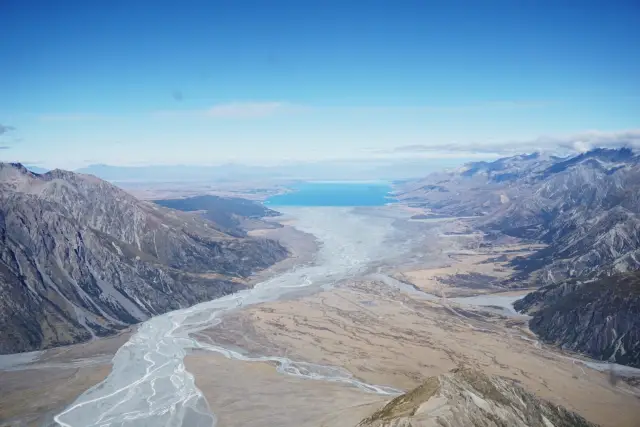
(600, 318)
(467, 397)
(80, 257)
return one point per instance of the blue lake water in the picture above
(334, 194)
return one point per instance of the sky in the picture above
(264, 82)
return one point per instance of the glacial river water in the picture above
(149, 385)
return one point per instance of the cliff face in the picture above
(466, 397)
(80, 257)
(600, 318)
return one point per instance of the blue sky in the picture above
(207, 82)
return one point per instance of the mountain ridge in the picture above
(466, 397)
(586, 208)
(82, 258)
(600, 318)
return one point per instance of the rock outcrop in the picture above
(467, 397)
(80, 257)
(600, 318)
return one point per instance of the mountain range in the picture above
(586, 210)
(80, 258)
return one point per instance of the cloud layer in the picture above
(235, 110)
(573, 143)
(246, 109)
(71, 117)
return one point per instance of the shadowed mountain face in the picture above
(227, 212)
(79, 257)
(600, 318)
(466, 397)
(586, 208)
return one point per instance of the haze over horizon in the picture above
(124, 83)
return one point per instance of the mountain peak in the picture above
(68, 175)
(469, 397)
(15, 166)
(13, 173)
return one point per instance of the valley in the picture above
(319, 214)
(385, 331)
(342, 323)
(354, 306)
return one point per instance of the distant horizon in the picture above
(561, 150)
(321, 172)
(453, 153)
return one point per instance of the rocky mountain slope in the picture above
(585, 207)
(466, 397)
(600, 318)
(79, 257)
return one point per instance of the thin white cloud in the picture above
(246, 109)
(456, 108)
(574, 143)
(70, 117)
(257, 109)
(236, 110)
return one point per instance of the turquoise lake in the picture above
(334, 194)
